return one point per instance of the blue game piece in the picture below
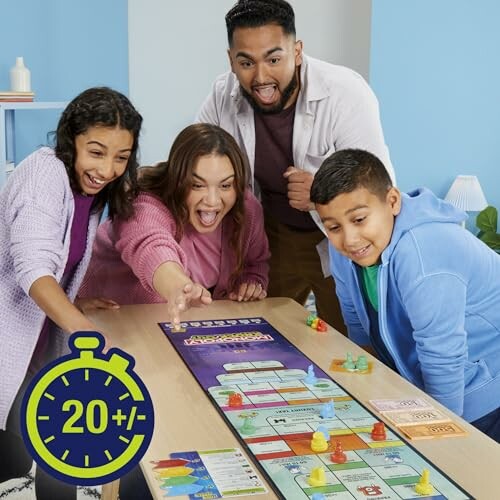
(324, 431)
(310, 378)
(318, 496)
(327, 410)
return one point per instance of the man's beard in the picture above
(279, 106)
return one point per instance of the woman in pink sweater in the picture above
(197, 232)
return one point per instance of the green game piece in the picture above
(247, 427)
(310, 319)
(349, 363)
(362, 363)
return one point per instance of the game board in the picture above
(279, 407)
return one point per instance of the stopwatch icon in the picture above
(87, 418)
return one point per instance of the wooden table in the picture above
(186, 420)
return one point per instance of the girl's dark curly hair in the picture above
(101, 107)
(171, 180)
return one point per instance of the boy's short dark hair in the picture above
(256, 13)
(347, 170)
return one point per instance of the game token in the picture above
(362, 363)
(235, 400)
(318, 496)
(327, 410)
(247, 427)
(338, 456)
(378, 432)
(321, 326)
(324, 431)
(310, 378)
(318, 442)
(424, 487)
(317, 477)
(310, 319)
(349, 363)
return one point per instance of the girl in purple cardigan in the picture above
(197, 232)
(49, 212)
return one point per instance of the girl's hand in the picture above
(191, 295)
(86, 305)
(248, 292)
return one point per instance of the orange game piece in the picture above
(235, 400)
(321, 326)
(378, 432)
(338, 456)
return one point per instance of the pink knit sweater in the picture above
(127, 253)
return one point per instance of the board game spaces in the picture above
(305, 432)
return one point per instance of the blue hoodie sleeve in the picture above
(346, 288)
(436, 309)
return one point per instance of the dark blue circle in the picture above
(84, 391)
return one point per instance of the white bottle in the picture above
(20, 77)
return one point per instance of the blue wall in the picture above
(68, 45)
(435, 67)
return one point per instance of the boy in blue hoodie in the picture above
(414, 285)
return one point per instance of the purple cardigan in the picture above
(127, 253)
(36, 212)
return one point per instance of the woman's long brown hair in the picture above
(171, 180)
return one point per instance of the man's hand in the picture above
(299, 188)
(87, 305)
(191, 295)
(248, 292)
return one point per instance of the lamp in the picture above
(466, 194)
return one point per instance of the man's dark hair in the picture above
(256, 13)
(347, 170)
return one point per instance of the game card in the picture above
(413, 417)
(383, 405)
(429, 431)
(208, 474)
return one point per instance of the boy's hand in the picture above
(191, 295)
(299, 188)
(86, 305)
(248, 292)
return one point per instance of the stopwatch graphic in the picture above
(87, 418)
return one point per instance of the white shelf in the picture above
(8, 129)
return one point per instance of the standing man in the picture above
(288, 112)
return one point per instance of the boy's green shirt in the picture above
(370, 275)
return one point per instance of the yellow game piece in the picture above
(314, 323)
(317, 477)
(319, 443)
(424, 487)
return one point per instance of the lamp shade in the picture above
(466, 193)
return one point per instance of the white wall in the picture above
(177, 48)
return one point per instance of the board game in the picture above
(280, 404)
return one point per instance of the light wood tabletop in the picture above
(185, 419)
